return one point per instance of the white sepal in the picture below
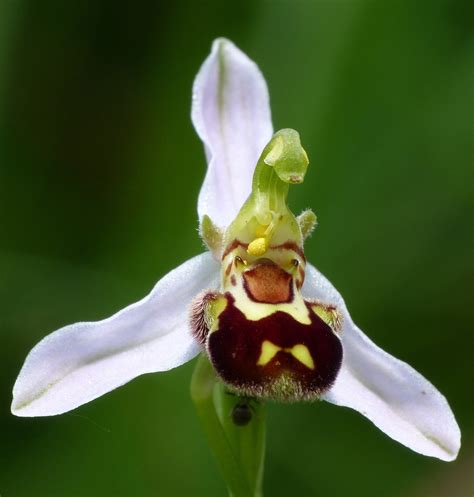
(83, 361)
(231, 114)
(389, 392)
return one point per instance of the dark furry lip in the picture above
(235, 349)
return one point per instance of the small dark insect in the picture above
(242, 412)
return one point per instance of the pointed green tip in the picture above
(286, 155)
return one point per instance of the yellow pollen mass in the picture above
(258, 247)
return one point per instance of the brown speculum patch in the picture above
(276, 357)
(268, 283)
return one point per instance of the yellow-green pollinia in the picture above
(262, 337)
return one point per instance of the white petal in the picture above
(389, 392)
(231, 114)
(81, 362)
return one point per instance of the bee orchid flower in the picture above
(272, 326)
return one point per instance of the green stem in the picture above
(248, 442)
(239, 450)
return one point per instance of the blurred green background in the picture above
(100, 170)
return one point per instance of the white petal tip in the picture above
(23, 410)
(24, 413)
(221, 42)
(31, 404)
(445, 452)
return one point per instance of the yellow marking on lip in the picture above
(323, 313)
(329, 314)
(300, 352)
(269, 351)
(214, 309)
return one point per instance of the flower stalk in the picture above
(239, 449)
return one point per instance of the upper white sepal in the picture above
(231, 114)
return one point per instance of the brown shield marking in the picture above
(268, 283)
(232, 246)
(290, 245)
